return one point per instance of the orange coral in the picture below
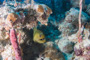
(12, 17)
(40, 9)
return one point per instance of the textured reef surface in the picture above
(44, 31)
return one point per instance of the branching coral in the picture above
(80, 37)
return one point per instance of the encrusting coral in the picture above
(43, 11)
(72, 17)
(52, 54)
(40, 9)
(66, 29)
(65, 45)
(70, 24)
(82, 50)
(8, 53)
(59, 42)
(12, 17)
(70, 32)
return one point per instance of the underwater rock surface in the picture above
(65, 45)
(58, 24)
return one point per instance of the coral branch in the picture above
(15, 44)
(80, 38)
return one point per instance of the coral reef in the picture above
(8, 53)
(70, 24)
(26, 32)
(51, 53)
(72, 17)
(43, 11)
(22, 19)
(66, 28)
(65, 45)
(82, 50)
(69, 33)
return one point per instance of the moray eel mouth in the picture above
(42, 39)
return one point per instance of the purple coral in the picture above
(78, 52)
(15, 44)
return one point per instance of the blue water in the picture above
(45, 1)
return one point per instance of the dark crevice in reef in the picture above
(31, 50)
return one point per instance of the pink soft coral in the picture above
(80, 37)
(14, 42)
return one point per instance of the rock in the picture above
(8, 53)
(70, 24)
(74, 37)
(47, 59)
(65, 45)
(72, 17)
(51, 53)
(66, 29)
(82, 50)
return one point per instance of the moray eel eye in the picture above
(40, 35)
